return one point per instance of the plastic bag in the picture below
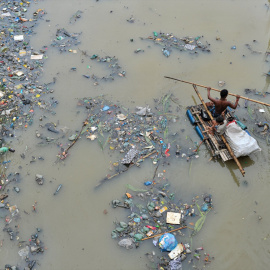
(126, 243)
(176, 264)
(205, 116)
(241, 143)
(167, 242)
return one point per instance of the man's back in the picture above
(222, 103)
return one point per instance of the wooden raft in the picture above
(213, 142)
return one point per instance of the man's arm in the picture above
(234, 106)
(212, 128)
(209, 97)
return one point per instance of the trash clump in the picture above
(133, 135)
(169, 42)
(76, 16)
(65, 40)
(21, 96)
(158, 215)
(112, 65)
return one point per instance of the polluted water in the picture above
(100, 165)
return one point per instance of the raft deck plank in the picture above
(213, 141)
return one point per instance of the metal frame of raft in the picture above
(214, 141)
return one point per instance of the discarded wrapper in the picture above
(176, 251)
(92, 137)
(173, 218)
(189, 47)
(131, 154)
(36, 56)
(121, 117)
(18, 38)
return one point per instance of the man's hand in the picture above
(208, 89)
(237, 97)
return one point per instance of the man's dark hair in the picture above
(224, 93)
(220, 119)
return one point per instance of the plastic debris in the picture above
(169, 42)
(176, 251)
(167, 242)
(176, 264)
(166, 52)
(143, 110)
(24, 252)
(173, 218)
(131, 154)
(147, 183)
(39, 179)
(126, 243)
(58, 189)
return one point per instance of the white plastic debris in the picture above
(93, 128)
(18, 73)
(126, 243)
(221, 83)
(130, 155)
(22, 52)
(18, 38)
(6, 112)
(5, 14)
(173, 218)
(14, 210)
(176, 251)
(261, 110)
(36, 56)
(190, 47)
(143, 110)
(121, 117)
(24, 252)
(92, 137)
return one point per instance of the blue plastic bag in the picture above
(106, 108)
(167, 242)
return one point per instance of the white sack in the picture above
(241, 143)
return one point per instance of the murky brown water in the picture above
(75, 230)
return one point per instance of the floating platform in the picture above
(213, 142)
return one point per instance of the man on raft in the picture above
(217, 106)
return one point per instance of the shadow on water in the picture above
(232, 167)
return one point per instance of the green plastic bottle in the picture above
(3, 150)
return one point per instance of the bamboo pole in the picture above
(116, 174)
(231, 94)
(222, 137)
(65, 152)
(164, 233)
(214, 142)
(205, 138)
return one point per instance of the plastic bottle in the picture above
(3, 150)
(166, 52)
(147, 183)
